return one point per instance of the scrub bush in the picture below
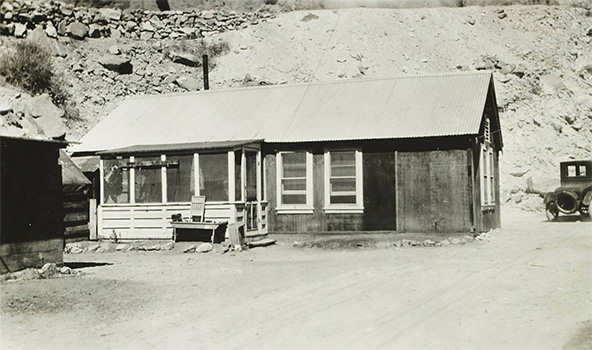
(27, 66)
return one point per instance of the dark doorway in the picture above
(379, 191)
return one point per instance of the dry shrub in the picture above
(27, 66)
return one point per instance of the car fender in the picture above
(549, 197)
(587, 198)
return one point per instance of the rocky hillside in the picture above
(541, 57)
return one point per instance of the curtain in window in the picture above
(115, 181)
(180, 178)
(148, 180)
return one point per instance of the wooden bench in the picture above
(196, 221)
(190, 225)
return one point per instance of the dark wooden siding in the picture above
(76, 215)
(31, 211)
(318, 221)
(437, 187)
(433, 191)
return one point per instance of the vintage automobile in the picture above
(575, 191)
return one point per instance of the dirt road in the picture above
(529, 287)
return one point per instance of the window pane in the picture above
(294, 164)
(343, 163)
(251, 160)
(238, 189)
(571, 170)
(343, 185)
(116, 181)
(294, 199)
(213, 174)
(582, 170)
(180, 179)
(294, 185)
(343, 199)
(148, 180)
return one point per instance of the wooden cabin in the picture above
(76, 193)
(31, 212)
(413, 153)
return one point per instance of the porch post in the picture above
(101, 181)
(243, 175)
(163, 175)
(231, 186)
(259, 190)
(132, 184)
(196, 178)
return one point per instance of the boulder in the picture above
(584, 100)
(169, 79)
(147, 26)
(204, 248)
(93, 247)
(551, 83)
(51, 31)
(189, 249)
(94, 31)
(78, 30)
(20, 30)
(63, 28)
(309, 17)
(117, 64)
(113, 15)
(185, 58)
(114, 50)
(73, 248)
(454, 240)
(47, 116)
(65, 270)
(145, 35)
(189, 84)
(48, 270)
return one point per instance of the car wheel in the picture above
(551, 213)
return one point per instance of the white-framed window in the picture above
(486, 168)
(294, 182)
(343, 181)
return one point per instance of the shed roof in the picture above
(357, 109)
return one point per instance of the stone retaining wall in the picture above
(17, 18)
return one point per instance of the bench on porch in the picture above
(196, 220)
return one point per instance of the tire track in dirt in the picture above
(439, 301)
(312, 301)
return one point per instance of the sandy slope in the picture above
(546, 110)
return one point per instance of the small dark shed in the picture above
(412, 153)
(31, 211)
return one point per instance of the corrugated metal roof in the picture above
(178, 147)
(375, 108)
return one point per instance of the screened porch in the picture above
(141, 188)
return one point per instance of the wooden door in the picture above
(433, 191)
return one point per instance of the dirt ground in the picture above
(528, 287)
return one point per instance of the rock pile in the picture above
(106, 247)
(49, 270)
(59, 19)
